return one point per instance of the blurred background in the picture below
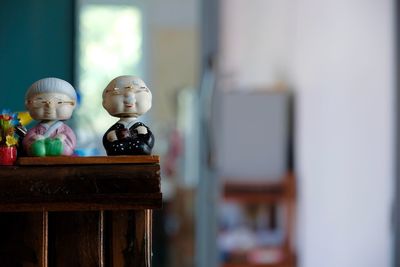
(275, 120)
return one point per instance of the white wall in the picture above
(344, 75)
(339, 56)
(256, 42)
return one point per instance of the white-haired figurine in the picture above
(127, 97)
(50, 101)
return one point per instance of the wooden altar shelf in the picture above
(78, 211)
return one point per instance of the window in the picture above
(109, 45)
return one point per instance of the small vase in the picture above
(8, 155)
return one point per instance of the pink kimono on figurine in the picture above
(50, 101)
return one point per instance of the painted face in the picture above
(127, 97)
(50, 106)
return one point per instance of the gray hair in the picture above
(51, 85)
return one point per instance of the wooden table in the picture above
(78, 212)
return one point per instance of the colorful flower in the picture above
(11, 140)
(8, 122)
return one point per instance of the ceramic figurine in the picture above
(127, 98)
(50, 101)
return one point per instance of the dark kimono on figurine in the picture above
(129, 142)
(127, 97)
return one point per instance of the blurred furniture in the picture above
(72, 211)
(252, 135)
(272, 194)
(253, 153)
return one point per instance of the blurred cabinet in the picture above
(253, 154)
(256, 224)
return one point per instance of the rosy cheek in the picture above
(111, 109)
(64, 113)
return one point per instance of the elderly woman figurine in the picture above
(127, 97)
(50, 101)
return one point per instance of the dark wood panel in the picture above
(80, 187)
(148, 159)
(128, 238)
(90, 179)
(140, 201)
(75, 239)
(23, 239)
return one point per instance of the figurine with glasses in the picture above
(127, 97)
(50, 101)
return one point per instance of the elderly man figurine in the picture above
(127, 97)
(50, 101)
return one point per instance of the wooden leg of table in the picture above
(45, 238)
(101, 235)
(128, 238)
(148, 216)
